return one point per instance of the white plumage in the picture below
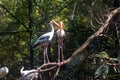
(28, 74)
(4, 71)
(60, 34)
(45, 38)
(24, 72)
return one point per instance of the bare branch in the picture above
(56, 73)
(73, 13)
(94, 17)
(97, 33)
(99, 18)
(92, 25)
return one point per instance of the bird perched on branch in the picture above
(44, 40)
(60, 35)
(3, 72)
(28, 74)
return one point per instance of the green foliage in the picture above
(102, 71)
(102, 55)
(15, 36)
(75, 61)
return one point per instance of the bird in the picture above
(44, 40)
(60, 35)
(28, 74)
(3, 72)
(24, 72)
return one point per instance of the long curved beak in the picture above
(58, 25)
(61, 25)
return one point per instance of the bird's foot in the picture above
(59, 63)
(63, 61)
(45, 63)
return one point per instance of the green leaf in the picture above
(102, 70)
(102, 55)
(75, 60)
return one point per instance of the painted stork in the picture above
(4, 71)
(44, 40)
(60, 35)
(28, 74)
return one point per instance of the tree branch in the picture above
(85, 44)
(97, 33)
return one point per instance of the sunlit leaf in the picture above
(102, 55)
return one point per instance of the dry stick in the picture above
(48, 69)
(39, 69)
(87, 42)
(50, 75)
(56, 73)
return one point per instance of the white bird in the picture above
(24, 72)
(44, 40)
(4, 71)
(60, 35)
(28, 74)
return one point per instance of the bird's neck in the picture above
(52, 28)
(21, 69)
(6, 69)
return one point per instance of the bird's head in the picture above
(55, 23)
(60, 25)
(51, 23)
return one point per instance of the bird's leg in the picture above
(58, 53)
(62, 53)
(46, 52)
(61, 49)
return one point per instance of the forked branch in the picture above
(85, 44)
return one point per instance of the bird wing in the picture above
(3, 71)
(42, 39)
(29, 76)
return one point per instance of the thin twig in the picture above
(56, 74)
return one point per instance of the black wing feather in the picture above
(41, 40)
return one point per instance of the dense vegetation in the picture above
(21, 23)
